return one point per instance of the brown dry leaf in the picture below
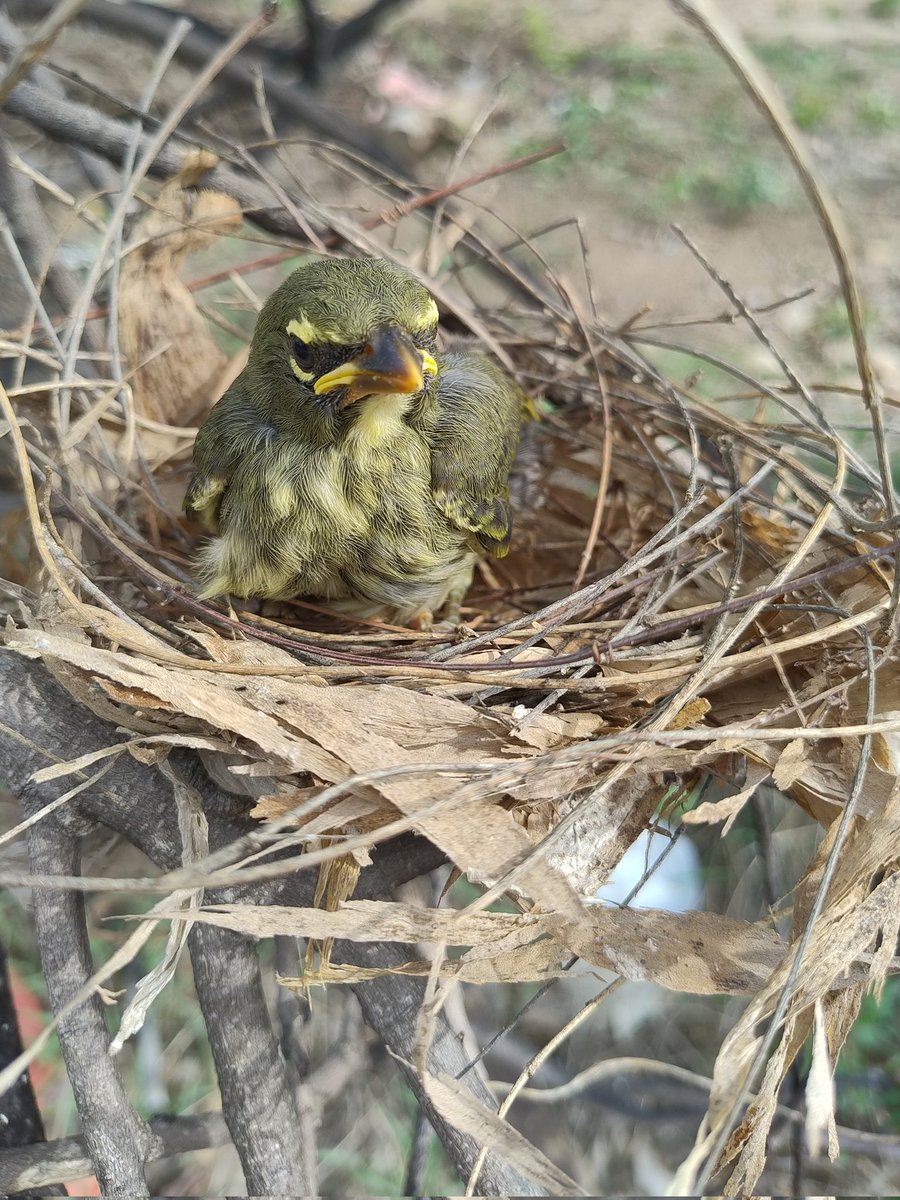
(350, 813)
(371, 727)
(144, 749)
(713, 811)
(697, 952)
(549, 731)
(179, 371)
(534, 963)
(458, 1106)
(271, 807)
(841, 938)
(820, 1095)
(886, 748)
(792, 764)
(15, 544)
(691, 714)
(336, 732)
(774, 535)
(601, 824)
(181, 692)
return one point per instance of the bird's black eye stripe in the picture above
(302, 354)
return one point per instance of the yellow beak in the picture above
(390, 365)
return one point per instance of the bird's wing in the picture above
(473, 446)
(217, 451)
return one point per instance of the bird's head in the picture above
(343, 329)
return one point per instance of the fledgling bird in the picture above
(351, 461)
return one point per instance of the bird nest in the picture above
(698, 598)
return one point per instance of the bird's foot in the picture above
(422, 621)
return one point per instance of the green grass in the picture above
(728, 188)
(868, 1070)
(544, 43)
(878, 114)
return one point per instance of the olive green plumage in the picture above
(348, 460)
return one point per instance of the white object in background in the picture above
(676, 884)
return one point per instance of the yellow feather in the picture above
(378, 420)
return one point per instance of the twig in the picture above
(537, 1060)
(717, 1139)
(729, 43)
(33, 51)
(149, 154)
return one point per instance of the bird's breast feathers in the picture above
(354, 518)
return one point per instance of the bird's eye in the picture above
(302, 354)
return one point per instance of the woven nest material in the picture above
(697, 600)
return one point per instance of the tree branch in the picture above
(79, 124)
(153, 23)
(256, 1100)
(41, 724)
(117, 1139)
(391, 1006)
(29, 1168)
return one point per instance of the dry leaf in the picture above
(458, 1106)
(819, 1121)
(178, 369)
(727, 810)
(791, 765)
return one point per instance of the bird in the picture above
(351, 460)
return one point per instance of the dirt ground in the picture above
(660, 132)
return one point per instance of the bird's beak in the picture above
(390, 365)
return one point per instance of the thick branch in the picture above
(80, 125)
(136, 801)
(261, 1114)
(391, 1006)
(118, 1140)
(289, 100)
(30, 1167)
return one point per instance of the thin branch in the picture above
(33, 51)
(294, 102)
(730, 45)
(390, 1005)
